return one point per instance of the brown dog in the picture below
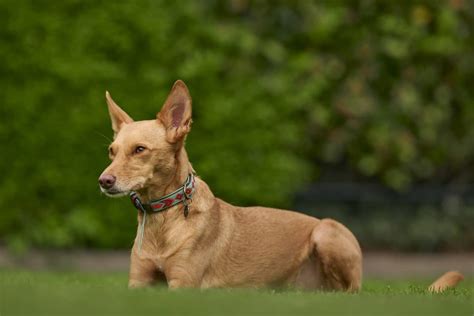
(216, 244)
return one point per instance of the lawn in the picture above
(74, 293)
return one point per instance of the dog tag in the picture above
(186, 210)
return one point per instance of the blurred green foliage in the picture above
(381, 89)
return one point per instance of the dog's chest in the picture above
(157, 259)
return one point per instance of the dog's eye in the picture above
(138, 149)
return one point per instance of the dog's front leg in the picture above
(181, 283)
(183, 277)
(143, 272)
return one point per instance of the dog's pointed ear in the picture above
(117, 115)
(176, 113)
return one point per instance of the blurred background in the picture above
(362, 111)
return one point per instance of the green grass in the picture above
(73, 293)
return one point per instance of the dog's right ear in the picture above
(117, 115)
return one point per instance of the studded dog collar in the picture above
(183, 195)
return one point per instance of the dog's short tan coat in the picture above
(218, 244)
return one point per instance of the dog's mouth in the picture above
(113, 192)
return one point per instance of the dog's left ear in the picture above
(176, 113)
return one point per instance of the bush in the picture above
(381, 90)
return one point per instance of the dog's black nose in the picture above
(107, 181)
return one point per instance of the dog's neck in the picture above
(158, 237)
(161, 186)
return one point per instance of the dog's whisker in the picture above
(104, 136)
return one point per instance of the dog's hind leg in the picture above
(337, 256)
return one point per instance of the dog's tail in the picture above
(448, 280)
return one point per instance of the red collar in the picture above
(183, 195)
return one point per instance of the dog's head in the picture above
(145, 152)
